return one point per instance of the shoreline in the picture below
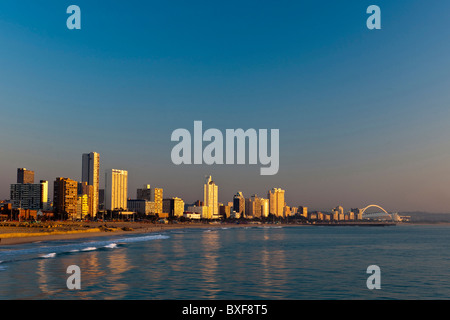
(9, 236)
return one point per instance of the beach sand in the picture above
(12, 233)
(18, 233)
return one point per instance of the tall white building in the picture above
(90, 173)
(116, 193)
(211, 198)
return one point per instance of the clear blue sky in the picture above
(363, 114)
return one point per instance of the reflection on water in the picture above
(210, 244)
(238, 263)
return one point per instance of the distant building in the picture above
(90, 173)
(303, 211)
(65, 193)
(88, 190)
(211, 198)
(174, 207)
(276, 202)
(144, 193)
(26, 196)
(156, 196)
(116, 190)
(141, 206)
(25, 176)
(239, 203)
(201, 210)
(82, 206)
(253, 207)
(44, 195)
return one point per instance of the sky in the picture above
(363, 114)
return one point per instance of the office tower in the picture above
(90, 172)
(25, 196)
(173, 206)
(25, 176)
(116, 190)
(211, 198)
(65, 197)
(239, 203)
(276, 201)
(144, 193)
(88, 190)
(156, 196)
(44, 194)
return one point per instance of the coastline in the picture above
(21, 236)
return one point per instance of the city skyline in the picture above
(362, 114)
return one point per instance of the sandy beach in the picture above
(17, 233)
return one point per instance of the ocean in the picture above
(257, 262)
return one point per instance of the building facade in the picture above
(276, 202)
(211, 198)
(65, 192)
(90, 173)
(25, 176)
(116, 190)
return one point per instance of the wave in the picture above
(49, 251)
(89, 249)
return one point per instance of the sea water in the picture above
(255, 262)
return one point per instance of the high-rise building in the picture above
(82, 206)
(25, 176)
(90, 173)
(65, 197)
(156, 196)
(264, 207)
(144, 193)
(253, 207)
(211, 198)
(276, 201)
(116, 190)
(44, 194)
(88, 190)
(174, 207)
(26, 196)
(239, 203)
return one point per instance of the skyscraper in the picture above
(25, 176)
(211, 198)
(65, 197)
(156, 196)
(90, 172)
(276, 201)
(116, 190)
